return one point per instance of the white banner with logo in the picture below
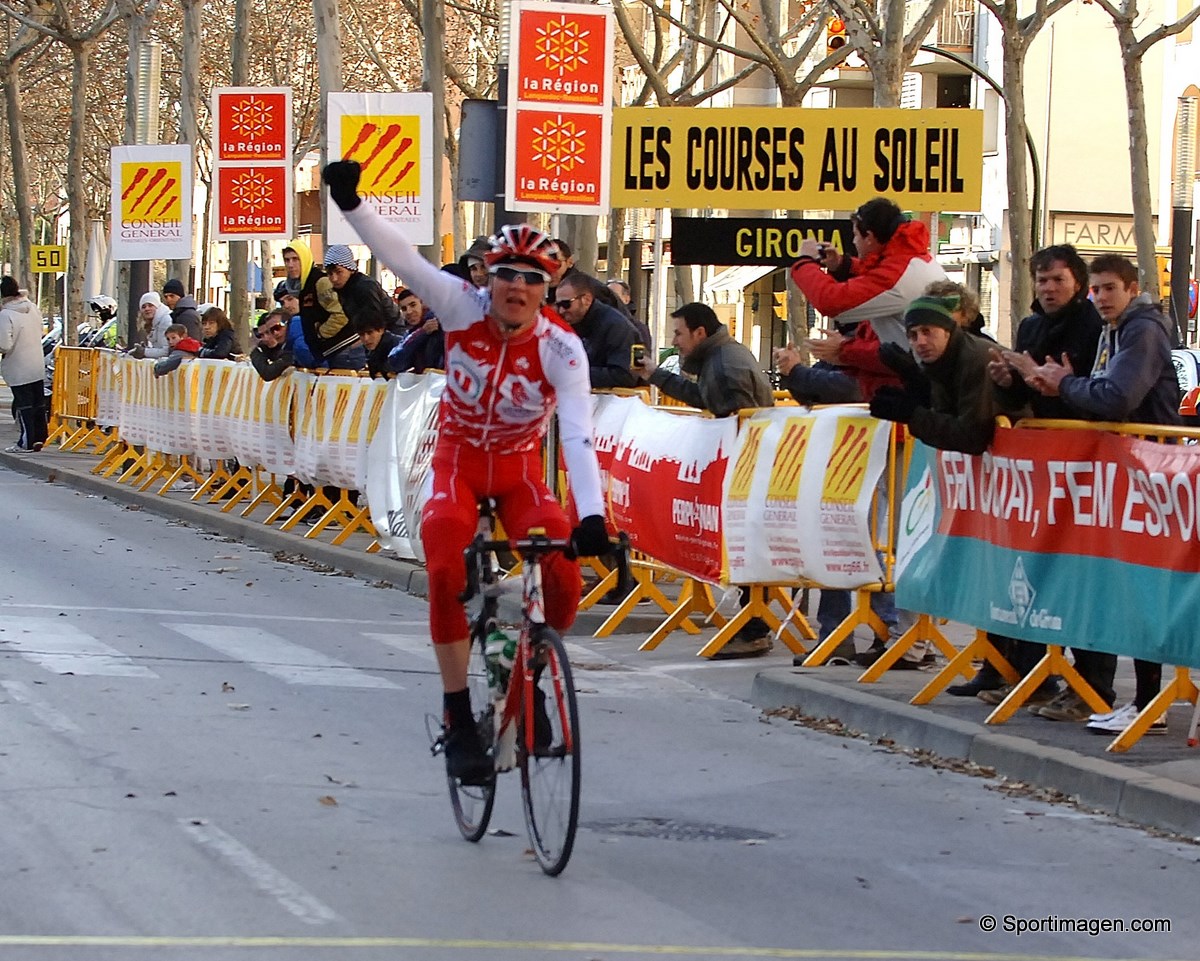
(399, 460)
(335, 418)
(391, 137)
(798, 492)
(151, 202)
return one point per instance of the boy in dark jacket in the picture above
(183, 348)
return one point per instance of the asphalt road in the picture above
(208, 753)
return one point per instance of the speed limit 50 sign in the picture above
(47, 259)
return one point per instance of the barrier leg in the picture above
(142, 463)
(960, 665)
(644, 587)
(862, 614)
(1180, 688)
(110, 461)
(270, 493)
(695, 597)
(317, 501)
(758, 606)
(923, 630)
(184, 469)
(1054, 662)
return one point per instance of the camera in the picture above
(637, 355)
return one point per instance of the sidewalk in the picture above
(1157, 783)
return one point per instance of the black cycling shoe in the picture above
(466, 760)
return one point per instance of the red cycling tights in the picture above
(461, 477)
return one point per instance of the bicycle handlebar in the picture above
(529, 548)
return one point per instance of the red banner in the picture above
(1077, 492)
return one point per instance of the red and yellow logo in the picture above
(784, 481)
(252, 126)
(560, 158)
(743, 470)
(252, 200)
(848, 462)
(561, 58)
(152, 192)
(387, 149)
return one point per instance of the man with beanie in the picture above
(327, 331)
(361, 296)
(22, 365)
(472, 262)
(960, 412)
(182, 306)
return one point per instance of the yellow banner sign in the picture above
(47, 259)
(775, 158)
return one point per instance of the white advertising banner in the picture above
(399, 459)
(151, 202)
(391, 136)
(798, 493)
(335, 418)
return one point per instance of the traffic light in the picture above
(1164, 276)
(835, 35)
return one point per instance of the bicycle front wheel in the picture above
(549, 752)
(472, 803)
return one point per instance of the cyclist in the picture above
(509, 363)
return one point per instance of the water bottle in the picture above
(498, 654)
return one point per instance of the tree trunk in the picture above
(329, 71)
(76, 195)
(1020, 289)
(615, 258)
(20, 175)
(1139, 164)
(239, 250)
(189, 94)
(433, 27)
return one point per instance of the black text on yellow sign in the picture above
(47, 259)
(766, 158)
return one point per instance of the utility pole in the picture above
(239, 250)
(1181, 215)
(433, 26)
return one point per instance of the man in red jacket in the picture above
(867, 295)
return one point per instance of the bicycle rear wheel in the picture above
(549, 754)
(472, 803)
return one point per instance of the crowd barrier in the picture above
(777, 500)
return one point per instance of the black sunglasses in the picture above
(531, 275)
(566, 304)
(273, 329)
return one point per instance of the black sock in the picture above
(457, 708)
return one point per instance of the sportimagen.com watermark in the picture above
(1053, 924)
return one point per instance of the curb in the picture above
(1096, 783)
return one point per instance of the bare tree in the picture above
(20, 44)
(1126, 17)
(1016, 34)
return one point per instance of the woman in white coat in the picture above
(22, 365)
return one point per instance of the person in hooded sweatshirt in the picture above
(22, 365)
(156, 316)
(327, 330)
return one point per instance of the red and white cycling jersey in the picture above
(500, 392)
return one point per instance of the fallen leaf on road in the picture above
(238, 707)
(226, 687)
(170, 794)
(328, 800)
(501, 833)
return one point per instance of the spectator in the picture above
(1063, 322)
(607, 294)
(219, 342)
(621, 291)
(607, 336)
(379, 342)
(183, 349)
(566, 265)
(22, 365)
(966, 311)
(302, 355)
(728, 380)
(359, 295)
(472, 263)
(866, 297)
(327, 330)
(156, 318)
(1132, 379)
(272, 356)
(424, 342)
(183, 307)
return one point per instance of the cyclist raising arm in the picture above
(508, 364)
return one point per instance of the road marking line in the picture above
(176, 612)
(418, 645)
(558, 947)
(294, 899)
(273, 655)
(64, 649)
(53, 718)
